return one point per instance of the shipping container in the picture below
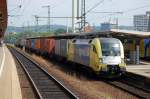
(47, 44)
(42, 45)
(51, 49)
(37, 44)
(22, 42)
(61, 47)
(28, 43)
(57, 47)
(32, 43)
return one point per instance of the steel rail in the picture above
(130, 86)
(133, 84)
(55, 89)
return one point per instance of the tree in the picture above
(60, 31)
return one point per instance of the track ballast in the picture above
(133, 84)
(45, 85)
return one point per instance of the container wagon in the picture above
(61, 48)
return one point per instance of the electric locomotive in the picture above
(103, 55)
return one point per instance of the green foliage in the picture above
(13, 37)
(60, 31)
(44, 34)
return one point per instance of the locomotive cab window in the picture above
(110, 47)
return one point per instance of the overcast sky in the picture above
(63, 8)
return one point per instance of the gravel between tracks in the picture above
(84, 88)
(26, 87)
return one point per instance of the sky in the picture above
(29, 8)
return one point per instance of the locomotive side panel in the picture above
(81, 54)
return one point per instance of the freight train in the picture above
(104, 56)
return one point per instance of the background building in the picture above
(142, 22)
(108, 26)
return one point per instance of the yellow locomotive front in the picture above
(107, 56)
(102, 55)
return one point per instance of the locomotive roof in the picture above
(86, 41)
(109, 40)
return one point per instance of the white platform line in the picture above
(3, 60)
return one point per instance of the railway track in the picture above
(133, 84)
(137, 81)
(45, 85)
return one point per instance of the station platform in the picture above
(142, 69)
(9, 81)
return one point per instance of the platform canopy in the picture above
(121, 34)
(129, 33)
(116, 33)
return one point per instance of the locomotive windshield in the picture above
(110, 47)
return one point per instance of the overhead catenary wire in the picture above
(96, 5)
(25, 6)
(84, 13)
(137, 8)
(129, 10)
(107, 12)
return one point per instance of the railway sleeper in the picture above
(55, 94)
